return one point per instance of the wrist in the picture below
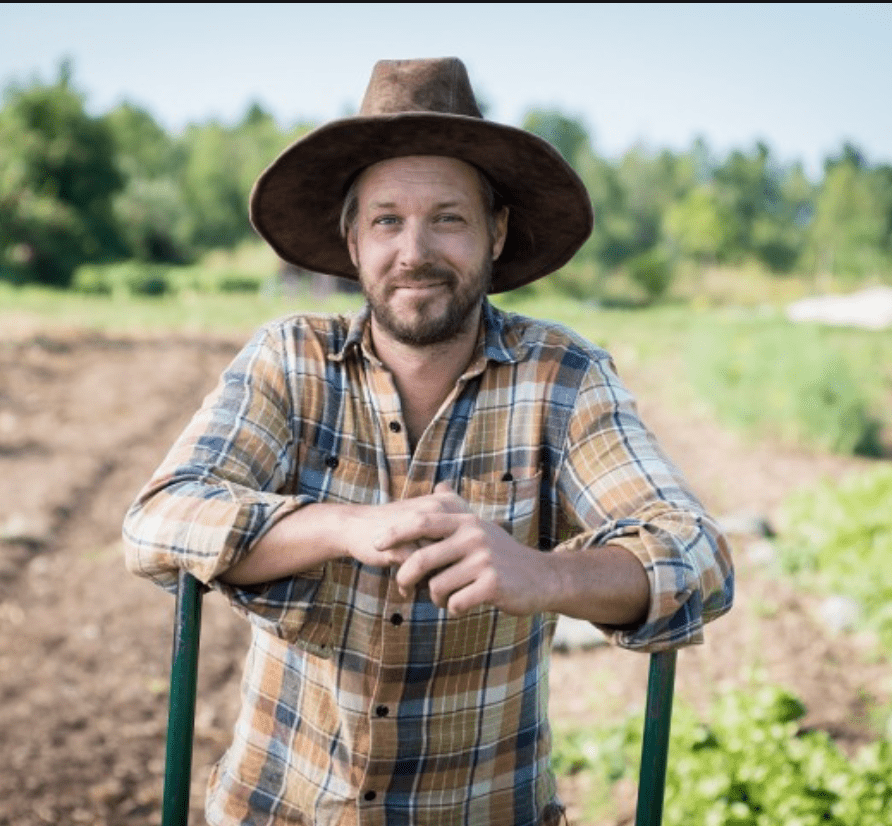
(606, 585)
(336, 526)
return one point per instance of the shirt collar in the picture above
(500, 343)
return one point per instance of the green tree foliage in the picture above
(150, 211)
(850, 233)
(221, 166)
(761, 222)
(701, 226)
(654, 210)
(567, 134)
(57, 180)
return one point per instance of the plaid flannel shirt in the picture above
(359, 706)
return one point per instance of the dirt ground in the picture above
(85, 647)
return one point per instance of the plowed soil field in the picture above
(85, 647)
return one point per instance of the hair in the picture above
(493, 203)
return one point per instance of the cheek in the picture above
(464, 253)
(370, 257)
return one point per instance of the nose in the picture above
(414, 246)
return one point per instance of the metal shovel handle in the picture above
(181, 714)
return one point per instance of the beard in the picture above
(428, 322)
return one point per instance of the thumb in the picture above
(454, 504)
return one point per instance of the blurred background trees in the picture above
(78, 189)
(58, 175)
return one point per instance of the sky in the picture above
(804, 78)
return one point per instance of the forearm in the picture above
(606, 585)
(198, 526)
(318, 532)
(304, 539)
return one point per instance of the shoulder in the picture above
(326, 332)
(538, 339)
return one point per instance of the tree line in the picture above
(77, 188)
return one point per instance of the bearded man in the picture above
(404, 500)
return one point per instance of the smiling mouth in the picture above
(421, 286)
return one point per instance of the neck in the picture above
(425, 375)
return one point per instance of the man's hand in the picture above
(467, 561)
(377, 535)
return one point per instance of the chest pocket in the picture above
(512, 505)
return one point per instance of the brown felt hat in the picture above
(422, 107)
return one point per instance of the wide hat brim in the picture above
(296, 202)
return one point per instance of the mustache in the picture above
(426, 274)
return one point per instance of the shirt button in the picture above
(507, 476)
(332, 462)
(382, 711)
(395, 427)
(396, 619)
(370, 795)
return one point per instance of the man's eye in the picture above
(449, 217)
(385, 220)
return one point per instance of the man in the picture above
(403, 501)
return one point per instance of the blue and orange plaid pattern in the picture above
(360, 706)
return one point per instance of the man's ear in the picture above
(351, 246)
(501, 224)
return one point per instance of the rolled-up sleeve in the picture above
(219, 488)
(623, 490)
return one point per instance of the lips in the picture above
(423, 284)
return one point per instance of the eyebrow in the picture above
(454, 202)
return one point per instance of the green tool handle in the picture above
(181, 715)
(655, 746)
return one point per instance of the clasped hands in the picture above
(465, 561)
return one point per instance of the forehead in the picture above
(414, 174)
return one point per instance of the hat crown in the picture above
(438, 85)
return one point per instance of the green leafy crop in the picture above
(838, 537)
(751, 765)
(801, 384)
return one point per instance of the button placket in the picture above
(383, 709)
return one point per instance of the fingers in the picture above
(479, 564)
(424, 538)
(418, 527)
(466, 599)
(438, 554)
(398, 555)
(448, 500)
(454, 558)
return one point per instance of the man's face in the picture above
(423, 247)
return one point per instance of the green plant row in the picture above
(136, 278)
(801, 384)
(837, 537)
(750, 765)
